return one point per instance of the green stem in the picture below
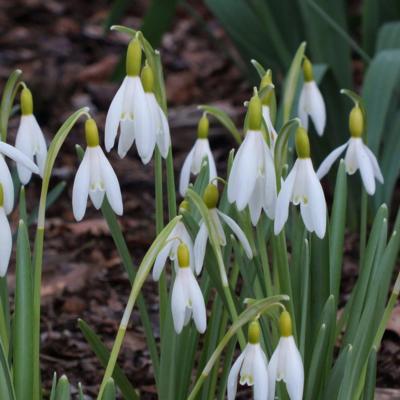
(363, 225)
(171, 185)
(264, 261)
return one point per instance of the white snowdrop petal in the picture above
(302, 108)
(283, 200)
(233, 376)
(80, 189)
(5, 242)
(350, 159)
(164, 136)
(329, 160)
(178, 303)
(23, 142)
(366, 171)
(238, 233)
(97, 197)
(270, 186)
(306, 211)
(200, 244)
(212, 169)
(114, 116)
(317, 108)
(18, 157)
(256, 201)
(8, 185)
(197, 300)
(234, 175)
(375, 165)
(271, 130)
(294, 370)
(185, 173)
(161, 259)
(272, 372)
(126, 137)
(41, 146)
(260, 376)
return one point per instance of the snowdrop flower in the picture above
(187, 300)
(303, 187)
(358, 155)
(6, 237)
(160, 130)
(178, 235)
(129, 110)
(252, 367)
(30, 139)
(269, 109)
(311, 102)
(286, 363)
(95, 177)
(5, 175)
(252, 180)
(211, 197)
(194, 159)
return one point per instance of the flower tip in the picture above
(302, 143)
(203, 127)
(254, 332)
(147, 78)
(211, 196)
(91, 133)
(285, 324)
(255, 113)
(134, 57)
(26, 102)
(183, 256)
(307, 70)
(356, 122)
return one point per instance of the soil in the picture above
(68, 61)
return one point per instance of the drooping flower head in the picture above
(211, 198)
(95, 177)
(303, 187)
(187, 299)
(129, 111)
(358, 155)
(252, 180)
(6, 237)
(30, 139)
(196, 156)
(252, 367)
(311, 102)
(269, 108)
(286, 363)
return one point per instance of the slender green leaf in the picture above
(6, 386)
(109, 390)
(389, 36)
(63, 391)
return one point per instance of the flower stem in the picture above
(171, 185)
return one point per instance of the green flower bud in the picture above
(307, 70)
(255, 113)
(183, 256)
(134, 58)
(211, 196)
(184, 206)
(254, 332)
(265, 81)
(285, 324)
(147, 78)
(26, 102)
(91, 133)
(1, 195)
(356, 122)
(202, 127)
(302, 143)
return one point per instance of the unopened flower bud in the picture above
(184, 206)
(265, 81)
(307, 70)
(183, 256)
(134, 58)
(254, 332)
(356, 122)
(255, 113)
(26, 102)
(202, 127)
(91, 133)
(147, 78)
(285, 324)
(302, 143)
(211, 196)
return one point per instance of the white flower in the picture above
(211, 199)
(311, 102)
(303, 187)
(358, 155)
(30, 139)
(252, 366)
(286, 364)
(252, 179)
(6, 237)
(187, 299)
(95, 178)
(178, 235)
(5, 175)
(271, 130)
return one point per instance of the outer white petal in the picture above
(127, 137)
(24, 143)
(41, 146)
(329, 160)
(238, 233)
(80, 189)
(306, 215)
(200, 244)
(112, 188)
(178, 302)
(212, 169)
(162, 134)
(351, 159)
(270, 186)
(257, 201)
(366, 170)
(293, 370)
(185, 173)
(8, 186)
(272, 372)
(161, 259)
(114, 116)
(283, 200)
(5, 242)
(260, 376)
(197, 300)
(233, 376)
(234, 175)
(272, 132)
(375, 165)
(303, 107)
(316, 201)
(18, 157)
(316, 107)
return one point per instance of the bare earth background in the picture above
(68, 61)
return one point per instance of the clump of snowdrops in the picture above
(252, 295)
